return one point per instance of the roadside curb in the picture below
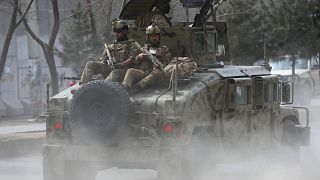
(21, 144)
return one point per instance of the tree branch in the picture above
(12, 3)
(33, 35)
(80, 10)
(24, 14)
(8, 37)
(56, 24)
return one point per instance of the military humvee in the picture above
(307, 76)
(219, 112)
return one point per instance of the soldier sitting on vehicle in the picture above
(150, 63)
(123, 51)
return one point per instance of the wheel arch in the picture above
(291, 118)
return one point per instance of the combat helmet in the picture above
(119, 24)
(152, 29)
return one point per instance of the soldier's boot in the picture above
(134, 89)
(126, 87)
(99, 77)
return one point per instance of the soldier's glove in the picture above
(141, 57)
(118, 66)
(103, 60)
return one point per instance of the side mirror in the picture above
(286, 93)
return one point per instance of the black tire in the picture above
(98, 111)
(290, 148)
(290, 134)
(169, 165)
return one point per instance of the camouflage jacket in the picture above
(121, 51)
(162, 54)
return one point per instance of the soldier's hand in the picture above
(156, 67)
(142, 56)
(118, 65)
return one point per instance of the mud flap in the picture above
(303, 135)
(53, 163)
(169, 164)
(296, 133)
(56, 167)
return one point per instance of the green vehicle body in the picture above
(234, 110)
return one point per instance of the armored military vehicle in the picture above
(220, 111)
(307, 76)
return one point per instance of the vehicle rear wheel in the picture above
(98, 111)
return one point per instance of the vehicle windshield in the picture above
(284, 63)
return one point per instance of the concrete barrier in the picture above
(21, 144)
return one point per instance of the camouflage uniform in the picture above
(123, 51)
(147, 74)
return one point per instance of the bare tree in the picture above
(92, 19)
(13, 25)
(47, 48)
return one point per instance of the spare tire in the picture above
(98, 110)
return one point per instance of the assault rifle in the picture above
(155, 61)
(111, 61)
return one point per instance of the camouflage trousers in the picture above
(97, 67)
(117, 75)
(142, 78)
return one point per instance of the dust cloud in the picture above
(285, 165)
(277, 165)
(281, 164)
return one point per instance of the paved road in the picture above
(30, 168)
(24, 168)
(22, 128)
